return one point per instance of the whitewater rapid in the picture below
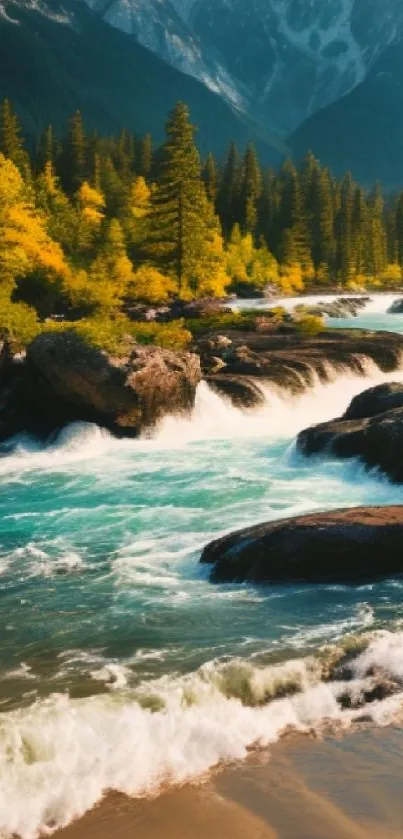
(122, 667)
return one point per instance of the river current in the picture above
(122, 667)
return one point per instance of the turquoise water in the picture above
(122, 665)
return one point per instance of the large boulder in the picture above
(343, 546)
(375, 400)
(371, 428)
(75, 381)
(397, 307)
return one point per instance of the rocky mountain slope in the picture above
(280, 60)
(289, 74)
(57, 56)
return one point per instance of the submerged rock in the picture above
(242, 391)
(344, 307)
(397, 307)
(371, 428)
(342, 546)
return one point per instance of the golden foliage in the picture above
(150, 285)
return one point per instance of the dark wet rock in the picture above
(376, 438)
(242, 391)
(376, 400)
(344, 307)
(342, 546)
(397, 307)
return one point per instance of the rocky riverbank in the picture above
(61, 378)
(235, 363)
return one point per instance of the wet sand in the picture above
(350, 788)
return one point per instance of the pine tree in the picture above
(46, 150)
(251, 189)
(360, 230)
(399, 229)
(210, 178)
(124, 154)
(377, 244)
(229, 192)
(268, 211)
(184, 237)
(11, 142)
(322, 223)
(145, 156)
(294, 247)
(345, 257)
(74, 158)
(113, 188)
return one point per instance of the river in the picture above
(122, 667)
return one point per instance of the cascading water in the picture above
(122, 666)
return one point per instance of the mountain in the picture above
(288, 74)
(280, 61)
(362, 131)
(58, 56)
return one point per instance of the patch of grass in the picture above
(245, 320)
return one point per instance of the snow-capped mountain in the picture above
(279, 60)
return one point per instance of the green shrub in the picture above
(19, 322)
(171, 336)
(309, 325)
(242, 320)
(115, 335)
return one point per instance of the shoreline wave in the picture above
(62, 755)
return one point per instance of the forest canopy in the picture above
(93, 226)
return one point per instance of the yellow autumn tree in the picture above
(25, 245)
(105, 284)
(90, 205)
(61, 217)
(136, 213)
(248, 266)
(149, 285)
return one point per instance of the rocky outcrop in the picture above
(344, 307)
(280, 355)
(397, 307)
(344, 546)
(63, 379)
(371, 429)
(241, 390)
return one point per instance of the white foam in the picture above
(282, 415)
(60, 756)
(378, 303)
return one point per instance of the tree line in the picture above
(92, 224)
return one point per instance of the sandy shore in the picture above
(350, 788)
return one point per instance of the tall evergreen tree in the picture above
(11, 141)
(399, 229)
(183, 230)
(46, 150)
(145, 156)
(229, 191)
(251, 189)
(74, 158)
(210, 178)
(345, 258)
(377, 244)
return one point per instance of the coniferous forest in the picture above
(92, 226)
